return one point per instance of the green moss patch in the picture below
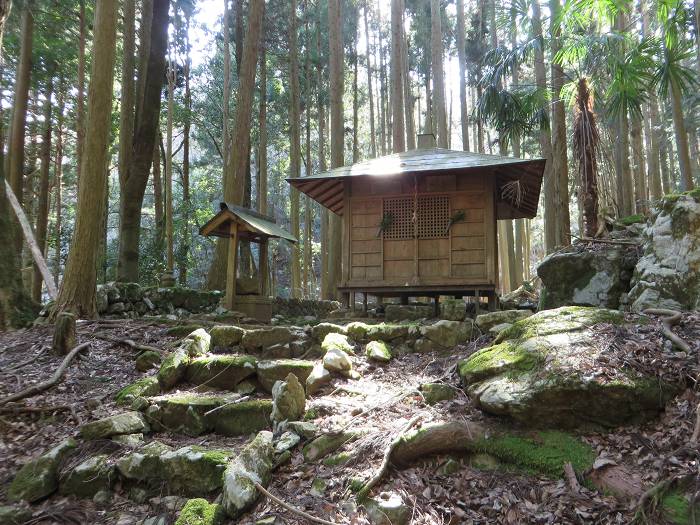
(145, 387)
(220, 371)
(506, 356)
(540, 453)
(240, 419)
(632, 219)
(199, 511)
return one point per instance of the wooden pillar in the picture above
(263, 266)
(231, 266)
(364, 302)
(493, 301)
(477, 303)
(437, 306)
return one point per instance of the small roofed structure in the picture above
(238, 223)
(423, 222)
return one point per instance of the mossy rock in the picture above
(88, 477)
(448, 334)
(144, 387)
(38, 478)
(436, 392)
(14, 514)
(220, 371)
(226, 335)
(632, 219)
(144, 463)
(240, 419)
(199, 511)
(147, 360)
(259, 339)
(183, 329)
(288, 400)
(542, 371)
(273, 370)
(326, 444)
(378, 351)
(362, 332)
(125, 423)
(487, 321)
(186, 412)
(255, 461)
(172, 369)
(335, 341)
(321, 330)
(197, 343)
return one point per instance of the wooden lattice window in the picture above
(433, 217)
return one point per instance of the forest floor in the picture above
(469, 495)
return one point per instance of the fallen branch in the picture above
(128, 342)
(362, 494)
(235, 401)
(15, 409)
(289, 507)
(669, 319)
(605, 241)
(56, 378)
(696, 431)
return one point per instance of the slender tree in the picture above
(397, 80)
(438, 76)
(80, 99)
(295, 145)
(77, 292)
(461, 57)
(370, 94)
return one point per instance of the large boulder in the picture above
(88, 477)
(668, 274)
(186, 412)
(144, 387)
(363, 333)
(226, 335)
(269, 372)
(448, 334)
(487, 321)
(288, 400)
(125, 423)
(552, 370)
(261, 338)
(408, 312)
(39, 478)
(334, 341)
(253, 464)
(172, 369)
(220, 371)
(199, 511)
(579, 275)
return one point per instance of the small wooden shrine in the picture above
(423, 223)
(238, 223)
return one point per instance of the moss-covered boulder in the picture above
(580, 276)
(487, 321)
(271, 371)
(241, 419)
(335, 341)
(288, 400)
(147, 360)
(172, 369)
(259, 339)
(186, 412)
(144, 387)
(254, 462)
(668, 274)
(196, 343)
(336, 360)
(220, 371)
(199, 511)
(318, 378)
(408, 312)
(551, 370)
(226, 336)
(321, 330)
(448, 334)
(363, 332)
(378, 351)
(39, 478)
(88, 477)
(388, 508)
(436, 392)
(125, 423)
(190, 470)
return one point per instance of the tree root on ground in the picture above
(670, 319)
(128, 342)
(56, 378)
(289, 507)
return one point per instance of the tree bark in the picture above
(42, 217)
(126, 110)
(150, 83)
(308, 102)
(78, 290)
(185, 241)
(80, 102)
(235, 179)
(686, 172)
(58, 179)
(461, 57)
(355, 105)
(560, 163)
(337, 90)
(438, 77)
(295, 146)
(170, 248)
(158, 200)
(407, 91)
(372, 132)
(640, 185)
(396, 72)
(226, 144)
(326, 292)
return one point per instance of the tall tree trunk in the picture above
(337, 90)
(326, 292)
(158, 200)
(461, 57)
(295, 145)
(234, 182)
(625, 181)
(150, 83)
(42, 217)
(78, 290)
(126, 111)
(407, 91)
(226, 144)
(16, 139)
(355, 106)
(640, 185)
(58, 179)
(308, 101)
(560, 163)
(545, 139)
(170, 248)
(372, 131)
(438, 77)
(585, 148)
(185, 241)
(682, 149)
(80, 102)
(651, 123)
(396, 71)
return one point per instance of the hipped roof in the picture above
(328, 188)
(253, 225)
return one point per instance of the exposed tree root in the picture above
(56, 378)
(670, 319)
(571, 478)
(362, 494)
(289, 507)
(696, 431)
(128, 342)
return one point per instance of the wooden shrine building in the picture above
(423, 223)
(238, 223)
